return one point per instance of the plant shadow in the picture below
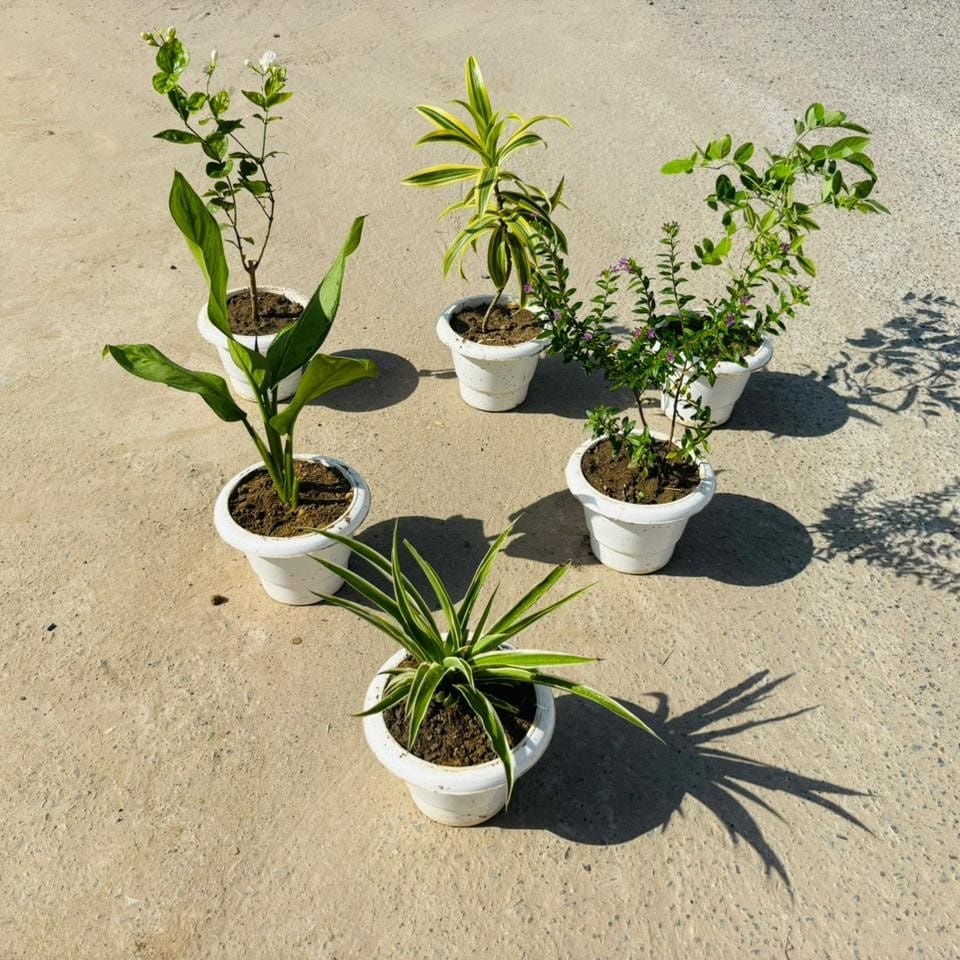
(564, 390)
(398, 379)
(737, 540)
(789, 405)
(455, 546)
(610, 783)
(916, 537)
(912, 361)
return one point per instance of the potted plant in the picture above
(457, 713)
(493, 339)
(272, 510)
(772, 207)
(240, 190)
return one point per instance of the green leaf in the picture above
(205, 241)
(393, 695)
(257, 187)
(588, 693)
(490, 720)
(480, 578)
(681, 165)
(846, 146)
(476, 90)
(448, 128)
(441, 593)
(251, 362)
(526, 658)
(172, 56)
(743, 153)
(299, 342)
(147, 362)
(220, 103)
(196, 101)
(256, 98)
(428, 678)
(276, 99)
(177, 136)
(323, 374)
(442, 173)
(806, 265)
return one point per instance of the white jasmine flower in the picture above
(267, 60)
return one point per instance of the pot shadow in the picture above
(912, 361)
(455, 546)
(398, 379)
(916, 537)
(742, 541)
(564, 390)
(610, 783)
(790, 405)
(737, 539)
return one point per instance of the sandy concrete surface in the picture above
(182, 780)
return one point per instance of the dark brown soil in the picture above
(454, 737)
(276, 312)
(617, 479)
(506, 326)
(325, 496)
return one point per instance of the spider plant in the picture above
(468, 659)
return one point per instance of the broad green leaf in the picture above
(147, 362)
(846, 146)
(299, 342)
(251, 362)
(323, 374)
(256, 98)
(275, 99)
(743, 153)
(205, 241)
(442, 173)
(220, 102)
(172, 56)
(806, 265)
(177, 136)
(680, 165)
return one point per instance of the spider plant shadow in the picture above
(916, 537)
(912, 361)
(397, 380)
(611, 783)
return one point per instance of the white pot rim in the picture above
(219, 339)
(650, 513)
(236, 536)
(453, 780)
(755, 361)
(483, 351)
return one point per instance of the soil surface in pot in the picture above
(453, 736)
(276, 312)
(325, 496)
(507, 326)
(615, 477)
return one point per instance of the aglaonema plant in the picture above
(294, 347)
(505, 209)
(464, 659)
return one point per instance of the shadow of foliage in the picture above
(398, 379)
(737, 539)
(912, 361)
(789, 405)
(917, 536)
(564, 390)
(605, 782)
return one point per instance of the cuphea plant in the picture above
(509, 211)
(237, 168)
(675, 337)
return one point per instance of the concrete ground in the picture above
(180, 780)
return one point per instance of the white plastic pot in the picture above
(238, 381)
(455, 796)
(492, 378)
(635, 537)
(725, 392)
(285, 565)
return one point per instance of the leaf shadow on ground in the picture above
(737, 539)
(608, 782)
(397, 380)
(789, 405)
(912, 362)
(917, 537)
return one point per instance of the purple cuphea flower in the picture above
(528, 288)
(556, 314)
(638, 332)
(670, 356)
(587, 336)
(651, 334)
(746, 298)
(784, 247)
